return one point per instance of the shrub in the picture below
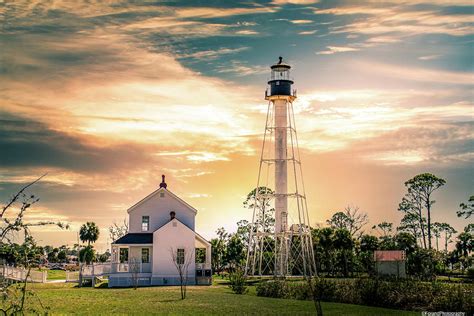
(274, 288)
(298, 291)
(424, 263)
(455, 297)
(344, 292)
(325, 289)
(470, 273)
(399, 294)
(237, 281)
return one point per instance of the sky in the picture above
(106, 96)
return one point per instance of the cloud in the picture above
(302, 2)
(206, 157)
(25, 143)
(242, 69)
(438, 143)
(337, 120)
(301, 21)
(336, 49)
(430, 2)
(192, 21)
(122, 78)
(400, 20)
(213, 54)
(383, 40)
(199, 195)
(350, 10)
(420, 74)
(210, 12)
(174, 26)
(196, 156)
(246, 32)
(429, 57)
(307, 32)
(401, 157)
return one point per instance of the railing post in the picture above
(80, 274)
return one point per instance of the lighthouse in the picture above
(280, 236)
(281, 96)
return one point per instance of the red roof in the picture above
(389, 255)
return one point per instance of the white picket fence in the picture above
(72, 276)
(19, 274)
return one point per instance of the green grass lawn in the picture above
(202, 300)
(56, 275)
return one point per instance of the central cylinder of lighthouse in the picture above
(281, 96)
(281, 164)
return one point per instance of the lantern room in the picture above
(280, 81)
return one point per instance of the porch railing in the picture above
(203, 266)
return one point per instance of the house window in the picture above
(145, 223)
(162, 194)
(145, 255)
(123, 255)
(180, 256)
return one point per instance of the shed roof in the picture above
(389, 255)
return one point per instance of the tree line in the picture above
(345, 248)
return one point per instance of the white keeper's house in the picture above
(161, 234)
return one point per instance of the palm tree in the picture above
(465, 244)
(89, 232)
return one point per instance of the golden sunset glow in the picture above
(107, 105)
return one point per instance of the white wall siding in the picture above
(158, 209)
(174, 235)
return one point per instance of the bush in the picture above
(401, 294)
(298, 291)
(424, 264)
(274, 288)
(398, 294)
(455, 297)
(470, 273)
(237, 281)
(325, 289)
(344, 291)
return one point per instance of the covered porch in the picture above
(132, 253)
(132, 258)
(203, 261)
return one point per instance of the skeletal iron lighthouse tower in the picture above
(280, 244)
